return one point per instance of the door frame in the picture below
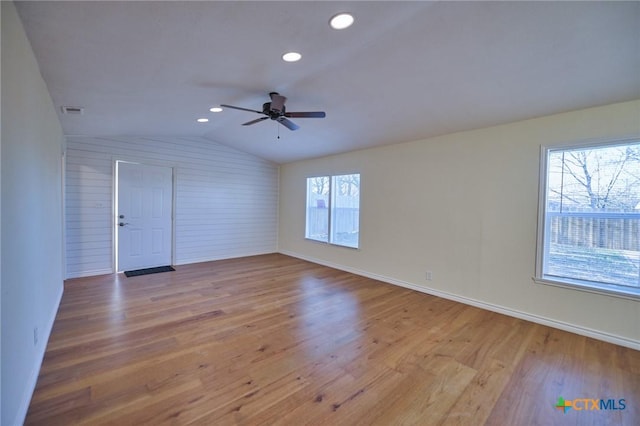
(114, 203)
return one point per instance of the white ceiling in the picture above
(404, 71)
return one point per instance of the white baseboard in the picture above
(583, 331)
(32, 380)
(213, 259)
(91, 273)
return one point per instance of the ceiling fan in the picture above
(276, 110)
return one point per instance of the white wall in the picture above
(465, 207)
(226, 200)
(0, 228)
(32, 285)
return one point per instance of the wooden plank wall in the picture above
(226, 201)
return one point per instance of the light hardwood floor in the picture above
(276, 340)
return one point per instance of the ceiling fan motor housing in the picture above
(276, 111)
(273, 114)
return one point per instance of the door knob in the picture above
(122, 224)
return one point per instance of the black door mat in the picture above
(148, 271)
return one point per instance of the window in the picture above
(589, 221)
(333, 209)
(318, 208)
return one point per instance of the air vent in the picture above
(72, 110)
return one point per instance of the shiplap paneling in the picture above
(226, 201)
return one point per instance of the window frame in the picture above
(330, 210)
(595, 287)
(306, 210)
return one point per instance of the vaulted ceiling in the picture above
(404, 71)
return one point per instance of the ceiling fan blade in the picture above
(240, 108)
(257, 120)
(277, 101)
(288, 123)
(308, 114)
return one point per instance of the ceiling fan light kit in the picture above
(276, 110)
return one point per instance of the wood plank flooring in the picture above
(276, 340)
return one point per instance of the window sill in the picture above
(331, 244)
(602, 289)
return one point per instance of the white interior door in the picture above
(145, 195)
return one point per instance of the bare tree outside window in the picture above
(333, 209)
(319, 185)
(345, 212)
(592, 214)
(317, 223)
(597, 179)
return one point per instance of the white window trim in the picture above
(306, 212)
(573, 284)
(329, 208)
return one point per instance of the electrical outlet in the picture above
(35, 336)
(429, 276)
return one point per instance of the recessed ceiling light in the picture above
(291, 57)
(202, 120)
(341, 21)
(215, 109)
